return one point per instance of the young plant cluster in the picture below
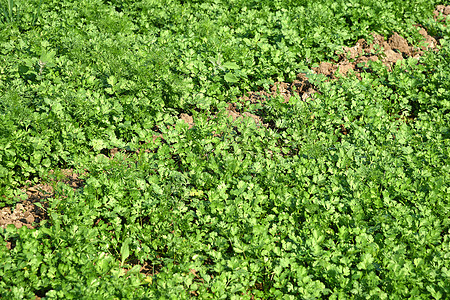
(342, 195)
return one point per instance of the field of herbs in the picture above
(224, 149)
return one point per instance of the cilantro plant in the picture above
(341, 195)
(19, 14)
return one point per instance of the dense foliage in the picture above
(225, 209)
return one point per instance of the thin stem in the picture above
(9, 14)
(36, 15)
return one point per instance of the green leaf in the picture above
(48, 57)
(231, 65)
(98, 144)
(125, 250)
(231, 78)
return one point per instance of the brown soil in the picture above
(352, 60)
(300, 87)
(33, 210)
(25, 213)
(188, 119)
(441, 12)
(395, 48)
(388, 51)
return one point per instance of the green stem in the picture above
(9, 14)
